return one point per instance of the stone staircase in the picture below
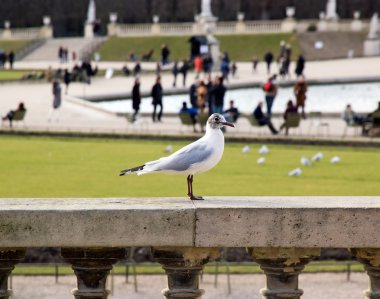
(49, 50)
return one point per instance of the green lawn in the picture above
(243, 47)
(314, 267)
(239, 47)
(15, 45)
(6, 75)
(58, 167)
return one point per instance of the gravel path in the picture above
(315, 286)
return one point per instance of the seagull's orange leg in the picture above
(192, 196)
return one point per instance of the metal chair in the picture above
(315, 120)
(186, 120)
(18, 117)
(293, 120)
(254, 123)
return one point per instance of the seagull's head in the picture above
(216, 121)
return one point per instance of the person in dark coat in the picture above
(66, 79)
(300, 66)
(157, 99)
(184, 69)
(136, 98)
(11, 59)
(262, 119)
(193, 95)
(57, 99)
(175, 71)
(268, 58)
(165, 52)
(218, 93)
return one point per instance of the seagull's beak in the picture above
(226, 123)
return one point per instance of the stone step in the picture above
(49, 50)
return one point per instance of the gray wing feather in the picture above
(187, 157)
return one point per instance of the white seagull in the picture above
(194, 158)
(335, 160)
(245, 149)
(305, 161)
(295, 172)
(263, 150)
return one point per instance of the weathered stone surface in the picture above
(94, 222)
(288, 222)
(348, 222)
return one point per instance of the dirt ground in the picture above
(321, 286)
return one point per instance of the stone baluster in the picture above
(282, 267)
(183, 266)
(91, 267)
(370, 258)
(8, 259)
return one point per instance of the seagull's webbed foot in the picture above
(196, 197)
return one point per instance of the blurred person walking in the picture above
(198, 66)
(57, 100)
(184, 69)
(11, 59)
(270, 89)
(157, 100)
(66, 79)
(268, 58)
(136, 98)
(300, 65)
(165, 52)
(300, 89)
(175, 71)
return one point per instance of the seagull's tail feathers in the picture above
(142, 169)
(132, 170)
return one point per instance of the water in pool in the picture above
(363, 97)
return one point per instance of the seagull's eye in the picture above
(217, 119)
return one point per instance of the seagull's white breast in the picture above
(215, 139)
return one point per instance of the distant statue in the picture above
(373, 25)
(331, 10)
(206, 8)
(91, 12)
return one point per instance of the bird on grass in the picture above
(197, 157)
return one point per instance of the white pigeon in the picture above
(335, 160)
(261, 160)
(245, 149)
(317, 157)
(194, 158)
(305, 161)
(263, 150)
(295, 172)
(168, 149)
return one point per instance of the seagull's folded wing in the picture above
(184, 159)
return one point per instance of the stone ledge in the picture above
(314, 222)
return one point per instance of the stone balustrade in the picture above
(28, 33)
(281, 233)
(244, 27)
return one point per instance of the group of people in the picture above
(7, 57)
(365, 121)
(270, 89)
(157, 95)
(283, 61)
(208, 98)
(63, 55)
